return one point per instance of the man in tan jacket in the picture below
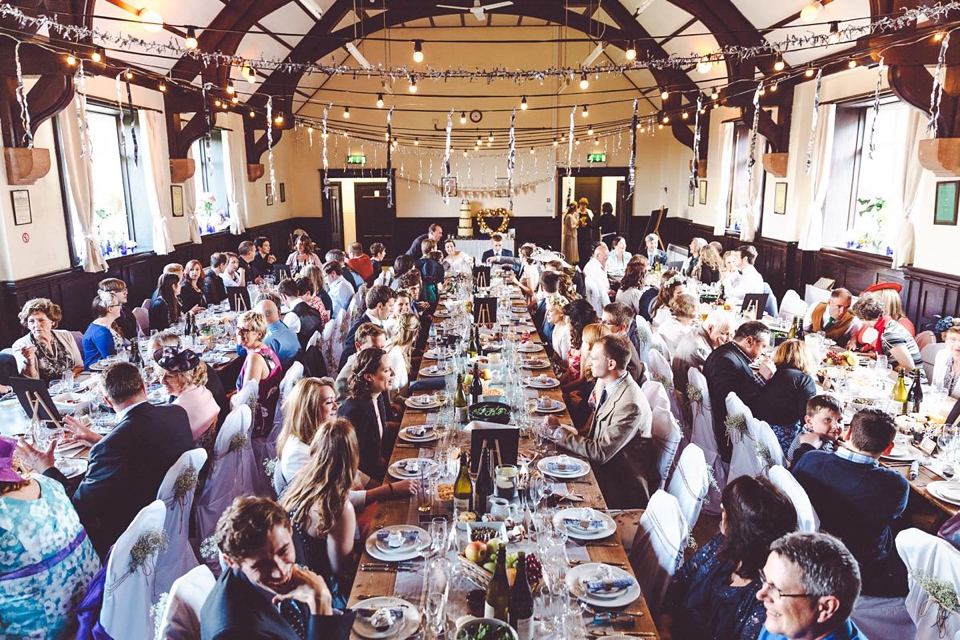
(618, 434)
(833, 317)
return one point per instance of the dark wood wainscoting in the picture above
(73, 289)
(930, 293)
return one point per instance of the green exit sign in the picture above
(356, 158)
(596, 157)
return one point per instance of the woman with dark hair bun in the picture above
(165, 307)
(714, 594)
(367, 409)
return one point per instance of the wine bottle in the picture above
(916, 392)
(135, 357)
(800, 331)
(460, 400)
(793, 330)
(900, 394)
(472, 348)
(497, 603)
(476, 386)
(484, 486)
(463, 487)
(521, 601)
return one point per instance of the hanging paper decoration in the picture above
(273, 176)
(816, 117)
(876, 106)
(323, 135)
(133, 126)
(936, 92)
(632, 169)
(22, 100)
(695, 173)
(310, 136)
(446, 158)
(80, 82)
(753, 132)
(511, 155)
(123, 138)
(389, 159)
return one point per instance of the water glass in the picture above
(68, 380)
(881, 362)
(438, 535)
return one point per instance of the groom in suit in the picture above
(126, 466)
(617, 437)
(263, 593)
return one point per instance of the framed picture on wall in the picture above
(703, 192)
(176, 195)
(21, 207)
(283, 192)
(503, 188)
(780, 198)
(449, 186)
(947, 200)
(691, 197)
(269, 194)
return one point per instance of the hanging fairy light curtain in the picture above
(632, 175)
(446, 158)
(389, 159)
(512, 156)
(22, 100)
(936, 92)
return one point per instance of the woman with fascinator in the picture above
(101, 340)
(184, 376)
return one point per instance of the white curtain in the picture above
(190, 201)
(723, 193)
(80, 193)
(235, 168)
(811, 238)
(157, 170)
(753, 211)
(905, 242)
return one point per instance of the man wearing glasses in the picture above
(809, 587)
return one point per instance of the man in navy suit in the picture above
(654, 254)
(435, 232)
(728, 369)
(263, 593)
(496, 250)
(380, 301)
(126, 466)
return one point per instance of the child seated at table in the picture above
(820, 427)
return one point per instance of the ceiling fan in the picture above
(477, 9)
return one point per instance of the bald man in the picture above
(833, 317)
(279, 336)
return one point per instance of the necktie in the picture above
(828, 324)
(290, 612)
(603, 396)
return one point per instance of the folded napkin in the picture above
(431, 384)
(410, 535)
(577, 522)
(368, 612)
(599, 586)
(569, 467)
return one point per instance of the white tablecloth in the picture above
(475, 248)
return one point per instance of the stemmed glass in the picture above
(438, 589)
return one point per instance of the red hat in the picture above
(884, 285)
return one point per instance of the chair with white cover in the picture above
(644, 338)
(248, 395)
(792, 305)
(129, 588)
(690, 483)
(657, 549)
(755, 446)
(934, 561)
(666, 441)
(661, 371)
(330, 347)
(807, 519)
(813, 295)
(181, 616)
(924, 338)
(595, 296)
(177, 492)
(929, 356)
(655, 394)
(233, 473)
(703, 435)
(293, 375)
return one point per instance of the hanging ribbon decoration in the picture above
(753, 132)
(22, 100)
(632, 175)
(80, 83)
(133, 126)
(936, 92)
(310, 136)
(876, 107)
(816, 117)
(123, 137)
(273, 176)
(446, 160)
(208, 135)
(512, 156)
(573, 113)
(695, 165)
(326, 178)
(389, 159)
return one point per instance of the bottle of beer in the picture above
(460, 400)
(521, 601)
(483, 488)
(800, 332)
(135, 357)
(497, 602)
(793, 330)
(916, 392)
(476, 386)
(463, 487)
(473, 350)
(900, 394)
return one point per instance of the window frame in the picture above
(205, 178)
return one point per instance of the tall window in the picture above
(213, 209)
(862, 187)
(739, 197)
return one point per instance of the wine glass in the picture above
(438, 535)
(438, 589)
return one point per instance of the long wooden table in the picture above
(378, 583)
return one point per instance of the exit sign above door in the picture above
(596, 157)
(356, 158)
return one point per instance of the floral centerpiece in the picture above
(209, 218)
(868, 233)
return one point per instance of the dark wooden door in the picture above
(588, 188)
(620, 208)
(375, 220)
(336, 216)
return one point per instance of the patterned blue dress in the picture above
(42, 605)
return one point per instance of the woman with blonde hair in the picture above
(261, 365)
(568, 234)
(184, 375)
(672, 285)
(893, 307)
(324, 521)
(783, 402)
(708, 266)
(400, 348)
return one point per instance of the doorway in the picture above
(375, 220)
(336, 217)
(598, 185)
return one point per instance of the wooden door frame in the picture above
(356, 174)
(592, 172)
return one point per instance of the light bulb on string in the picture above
(97, 55)
(555, 143)
(71, 60)
(230, 88)
(523, 104)
(235, 99)
(632, 51)
(151, 20)
(380, 101)
(762, 91)
(479, 140)
(463, 117)
(162, 86)
(576, 143)
(216, 102)
(684, 115)
(852, 64)
(413, 84)
(596, 141)
(251, 113)
(714, 94)
(531, 150)
(810, 12)
(346, 112)
(660, 126)
(584, 81)
(464, 153)
(490, 137)
(586, 111)
(666, 119)
(416, 142)
(191, 42)
(279, 119)
(418, 51)
(938, 36)
(590, 131)
(773, 87)
(779, 64)
(834, 36)
(704, 66)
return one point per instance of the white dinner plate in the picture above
(71, 402)
(529, 347)
(589, 569)
(430, 435)
(556, 406)
(400, 470)
(581, 469)
(576, 531)
(946, 491)
(900, 452)
(401, 629)
(72, 467)
(434, 354)
(415, 404)
(541, 363)
(533, 382)
(409, 553)
(433, 371)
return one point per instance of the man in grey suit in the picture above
(617, 438)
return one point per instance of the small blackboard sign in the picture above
(239, 298)
(759, 298)
(34, 397)
(484, 310)
(481, 275)
(508, 439)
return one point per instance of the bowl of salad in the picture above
(490, 412)
(485, 629)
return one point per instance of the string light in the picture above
(346, 112)
(773, 87)
(418, 51)
(778, 64)
(151, 20)
(705, 66)
(586, 111)
(576, 142)
(191, 41)
(714, 94)
(852, 64)
(531, 151)
(97, 55)
(664, 94)
(523, 104)
(230, 88)
(251, 114)
(834, 36)
(490, 137)
(162, 86)
(379, 101)
(279, 119)
(810, 12)
(413, 84)
(464, 153)
(463, 117)
(596, 141)
(584, 81)
(416, 142)
(71, 61)
(555, 143)
(590, 131)
(479, 140)
(665, 119)
(216, 102)
(632, 51)
(684, 115)
(128, 75)
(235, 99)
(809, 72)
(938, 36)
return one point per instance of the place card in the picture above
(928, 445)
